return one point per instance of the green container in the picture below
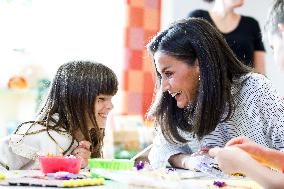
(113, 164)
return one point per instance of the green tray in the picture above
(113, 164)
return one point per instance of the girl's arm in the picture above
(83, 151)
(11, 158)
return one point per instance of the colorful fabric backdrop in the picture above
(143, 22)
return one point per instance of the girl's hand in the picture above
(83, 151)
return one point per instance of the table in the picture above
(187, 181)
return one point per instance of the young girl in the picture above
(71, 121)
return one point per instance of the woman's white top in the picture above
(259, 115)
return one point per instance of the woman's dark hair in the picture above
(209, 1)
(72, 96)
(188, 40)
(275, 17)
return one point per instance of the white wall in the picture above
(177, 9)
(51, 32)
(36, 37)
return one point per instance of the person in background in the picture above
(242, 154)
(204, 94)
(71, 121)
(242, 33)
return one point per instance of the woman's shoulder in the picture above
(252, 82)
(257, 78)
(254, 79)
(248, 20)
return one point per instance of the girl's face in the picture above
(103, 105)
(178, 78)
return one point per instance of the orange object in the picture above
(17, 82)
(54, 155)
(56, 163)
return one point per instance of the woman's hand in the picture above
(231, 159)
(266, 156)
(200, 152)
(83, 151)
(255, 150)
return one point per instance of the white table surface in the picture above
(203, 182)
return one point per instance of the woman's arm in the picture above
(179, 161)
(259, 61)
(164, 152)
(233, 159)
(270, 157)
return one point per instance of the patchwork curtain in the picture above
(143, 22)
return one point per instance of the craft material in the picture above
(142, 152)
(53, 164)
(113, 164)
(139, 165)
(219, 183)
(2, 176)
(53, 183)
(206, 165)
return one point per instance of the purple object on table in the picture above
(219, 183)
(139, 165)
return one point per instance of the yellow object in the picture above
(2, 176)
(83, 182)
(101, 181)
(238, 174)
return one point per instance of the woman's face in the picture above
(103, 105)
(179, 79)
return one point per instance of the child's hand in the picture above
(83, 151)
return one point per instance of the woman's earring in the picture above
(199, 78)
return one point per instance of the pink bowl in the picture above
(56, 164)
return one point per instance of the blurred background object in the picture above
(17, 82)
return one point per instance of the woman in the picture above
(72, 120)
(242, 33)
(204, 92)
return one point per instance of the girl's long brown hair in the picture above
(72, 97)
